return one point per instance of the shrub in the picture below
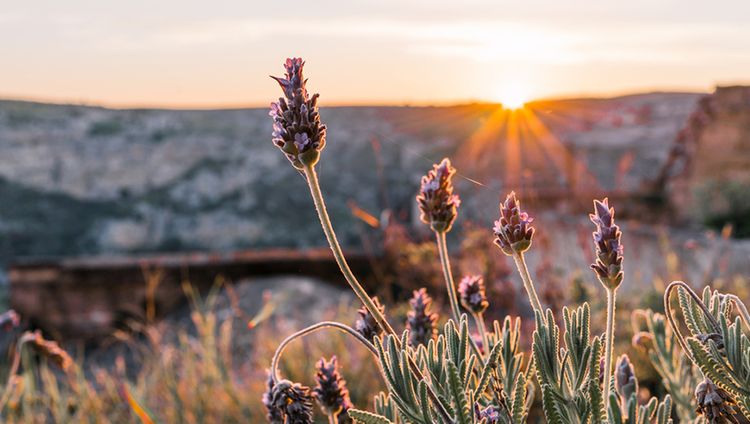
(458, 378)
(724, 203)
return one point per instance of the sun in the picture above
(513, 96)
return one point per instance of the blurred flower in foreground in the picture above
(331, 391)
(421, 323)
(513, 231)
(437, 203)
(608, 265)
(297, 129)
(626, 383)
(472, 294)
(274, 414)
(714, 403)
(294, 401)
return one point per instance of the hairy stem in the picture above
(325, 222)
(450, 286)
(610, 343)
(528, 284)
(670, 317)
(311, 329)
(479, 318)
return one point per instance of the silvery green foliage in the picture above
(678, 375)
(493, 390)
(467, 385)
(450, 380)
(717, 343)
(569, 376)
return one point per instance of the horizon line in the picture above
(342, 104)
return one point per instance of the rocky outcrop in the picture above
(88, 180)
(708, 175)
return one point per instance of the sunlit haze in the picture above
(212, 54)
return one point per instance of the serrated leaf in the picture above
(462, 409)
(365, 417)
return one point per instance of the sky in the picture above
(184, 53)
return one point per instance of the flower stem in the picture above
(359, 291)
(311, 329)
(528, 284)
(479, 319)
(450, 286)
(610, 343)
(325, 221)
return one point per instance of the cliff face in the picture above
(83, 180)
(709, 176)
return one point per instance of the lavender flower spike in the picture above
(472, 293)
(626, 383)
(714, 403)
(421, 323)
(608, 265)
(513, 232)
(297, 129)
(294, 401)
(437, 203)
(274, 414)
(331, 391)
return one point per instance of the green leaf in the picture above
(365, 417)
(595, 390)
(491, 362)
(461, 405)
(518, 405)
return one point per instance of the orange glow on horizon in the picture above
(513, 96)
(518, 146)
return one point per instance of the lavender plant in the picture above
(717, 343)
(678, 375)
(444, 377)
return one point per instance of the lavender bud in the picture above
(437, 203)
(608, 265)
(294, 401)
(491, 414)
(714, 403)
(366, 324)
(472, 294)
(422, 323)
(274, 414)
(331, 391)
(513, 232)
(297, 129)
(626, 383)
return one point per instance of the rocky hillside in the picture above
(78, 179)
